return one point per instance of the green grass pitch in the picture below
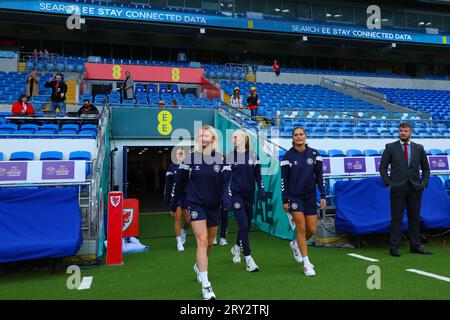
(164, 273)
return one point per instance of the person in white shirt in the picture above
(236, 99)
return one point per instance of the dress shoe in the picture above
(421, 251)
(395, 253)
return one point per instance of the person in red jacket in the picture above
(276, 67)
(22, 106)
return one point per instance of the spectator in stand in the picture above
(45, 54)
(128, 86)
(276, 67)
(253, 102)
(87, 108)
(174, 103)
(236, 99)
(181, 57)
(35, 55)
(161, 104)
(22, 107)
(58, 97)
(32, 82)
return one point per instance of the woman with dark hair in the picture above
(301, 171)
(22, 107)
(181, 209)
(246, 170)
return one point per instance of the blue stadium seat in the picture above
(436, 152)
(51, 155)
(87, 134)
(21, 156)
(50, 126)
(89, 126)
(82, 155)
(335, 153)
(371, 153)
(354, 153)
(1, 156)
(29, 126)
(47, 132)
(447, 151)
(71, 126)
(62, 134)
(8, 127)
(322, 153)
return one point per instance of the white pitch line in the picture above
(428, 274)
(362, 257)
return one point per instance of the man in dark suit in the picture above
(405, 187)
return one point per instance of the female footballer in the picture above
(181, 210)
(206, 178)
(301, 171)
(246, 170)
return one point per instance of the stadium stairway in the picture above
(363, 92)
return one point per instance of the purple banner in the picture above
(438, 163)
(377, 164)
(13, 171)
(326, 166)
(352, 165)
(58, 170)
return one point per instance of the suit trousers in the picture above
(401, 196)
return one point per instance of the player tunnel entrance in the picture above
(144, 175)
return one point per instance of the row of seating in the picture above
(47, 155)
(144, 98)
(299, 96)
(334, 72)
(12, 84)
(60, 64)
(365, 153)
(434, 102)
(358, 131)
(225, 72)
(48, 131)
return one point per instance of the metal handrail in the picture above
(356, 85)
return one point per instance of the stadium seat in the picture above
(89, 126)
(335, 153)
(87, 134)
(354, 153)
(63, 134)
(436, 152)
(21, 156)
(70, 126)
(371, 153)
(51, 155)
(49, 133)
(447, 151)
(8, 128)
(29, 126)
(50, 126)
(322, 153)
(82, 155)
(1, 156)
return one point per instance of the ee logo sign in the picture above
(164, 125)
